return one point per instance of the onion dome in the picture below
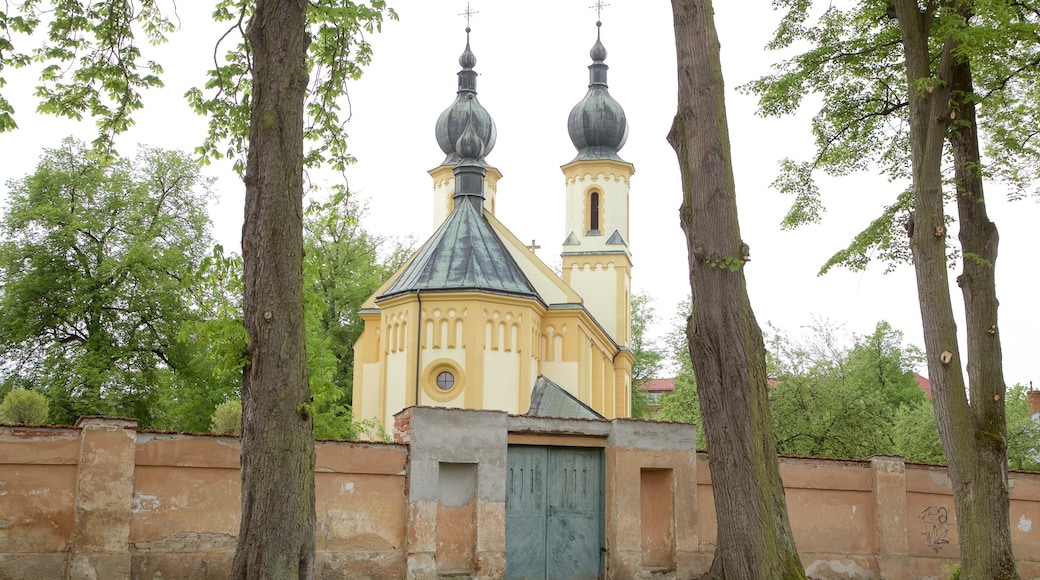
(597, 124)
(465, 110)
(465, 253)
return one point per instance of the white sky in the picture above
(532, 58)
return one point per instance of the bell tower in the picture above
(597, 261)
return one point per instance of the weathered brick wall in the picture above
(103, 500)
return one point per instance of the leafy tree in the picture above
(227, 417)
(1023, 432)
(648, 355)
(915, 435)
(23, 406)
(828, 400)
(726, 346)
(882, 364)
(216, 340)
(344, 265)
(279, 86)
(903, 83)
(92, 258)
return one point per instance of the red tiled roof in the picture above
(660, 385)
(925, 384)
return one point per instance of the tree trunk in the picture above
(276, 537)
(972, 432)
(726, 346)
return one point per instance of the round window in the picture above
(445, 381)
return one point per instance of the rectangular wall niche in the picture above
(657, 522)
(457, 518)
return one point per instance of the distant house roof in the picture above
(660, 385)
(925, 384)
(551, 400)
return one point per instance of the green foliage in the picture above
(92, 65)
(227, 418)
(851, 56)
(915, 435)
(23, 406)
(1023, 432)
(833, 400)
(337, 53)
(91, 57)
(682, 404)
(93, 256)
(648, 355)
(343, 266)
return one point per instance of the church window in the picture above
(445, 381)
(594, 212)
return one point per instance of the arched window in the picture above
(594, 213)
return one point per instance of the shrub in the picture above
(227, 418)
(23, 406)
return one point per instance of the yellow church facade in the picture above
(474, 319)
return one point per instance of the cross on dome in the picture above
(468, 13)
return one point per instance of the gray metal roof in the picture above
(465, 253)
(551, 400)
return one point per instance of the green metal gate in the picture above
(554, 513)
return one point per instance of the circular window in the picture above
(445, 381)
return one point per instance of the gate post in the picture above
(104, 488)
(456, 492)
(651, 499)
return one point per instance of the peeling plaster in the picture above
(943, 479)
(144, 502)
(1025, 524)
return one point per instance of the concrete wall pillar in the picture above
(104, 488)
(651, 499)
(456, 493)
(888, 481)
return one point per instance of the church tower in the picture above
(597, 261)
(466, 109)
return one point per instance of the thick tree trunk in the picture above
(276, 537)
(972, 432)
(754, 533)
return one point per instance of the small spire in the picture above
(470, 172)
(598, 52)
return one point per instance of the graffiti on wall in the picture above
(936, 533)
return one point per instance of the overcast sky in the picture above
(532, 58)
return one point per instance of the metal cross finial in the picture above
(468, 14)
(599, 6)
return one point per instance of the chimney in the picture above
(1033, 401)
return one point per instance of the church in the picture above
(474, 319)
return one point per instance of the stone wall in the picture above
(104, 500)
